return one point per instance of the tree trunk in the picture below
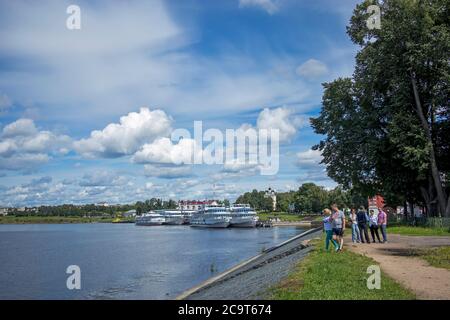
(411, 211)
(442, 198)
(405, 211)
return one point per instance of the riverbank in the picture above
(252, 278)
(326, 275)
(52, 220)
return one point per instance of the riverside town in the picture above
(225, 158)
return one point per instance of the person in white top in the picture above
(373, 225)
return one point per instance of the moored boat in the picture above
(211, 217)
(243, 216)
(150, 219)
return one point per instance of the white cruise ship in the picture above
(172, 217)
(150, 219)
(243, 216)
(211, 217)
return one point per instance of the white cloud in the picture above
(269, 6)
(309, 158)
(237, 165)
(167, 172)
(163, 150)
(126, 137)
(283, 119)
(23, 147)
(20, 127)
(311, 168)
(102, 179)
(142, 62)
(312, 69)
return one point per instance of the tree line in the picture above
(96, 210)
(309, 198)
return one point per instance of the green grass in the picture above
(282, 216)
(335, 276)
(437, 257)
(418, 231)
(50, 219)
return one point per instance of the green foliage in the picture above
(256, 199)
(308, 199)
(375, 140)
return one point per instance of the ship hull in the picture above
(149, 223)
(243, 224)
(174, 221)
(211, 225)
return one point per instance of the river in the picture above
(121, 261)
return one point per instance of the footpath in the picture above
(399, 260)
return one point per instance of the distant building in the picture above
(270, 193)
(129, 213)
(375, 203)
(188, 205)
(102, 204)
(3, 211)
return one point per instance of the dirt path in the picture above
(397, 259)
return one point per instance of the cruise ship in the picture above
(150, 219)
(172, 217)
(211, 217)
(243, 216)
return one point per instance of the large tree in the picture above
(387, 127)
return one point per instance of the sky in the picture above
(86, 115)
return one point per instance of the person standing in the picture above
(363, 220)
(356, 236)
(382, 223)
(338, 224)
(328, 230)
(373, 224)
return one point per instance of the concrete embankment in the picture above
(251, 279)
(307, 224)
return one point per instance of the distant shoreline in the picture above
(52, 220)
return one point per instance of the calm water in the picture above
(121, 261)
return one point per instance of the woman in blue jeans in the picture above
(328, 230)
(356, 237)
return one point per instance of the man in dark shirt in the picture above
(363, 219)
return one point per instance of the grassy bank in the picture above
(437, 257)
(418, 231)
(286, 217)
(327, 275)
(50, 219)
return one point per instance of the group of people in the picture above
(334, 224)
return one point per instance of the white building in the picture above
(270, 193)
(190, 205)
(3, 211)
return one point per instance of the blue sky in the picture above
(77, 106)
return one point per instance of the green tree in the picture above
(385, 127)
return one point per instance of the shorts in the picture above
(338, 232)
